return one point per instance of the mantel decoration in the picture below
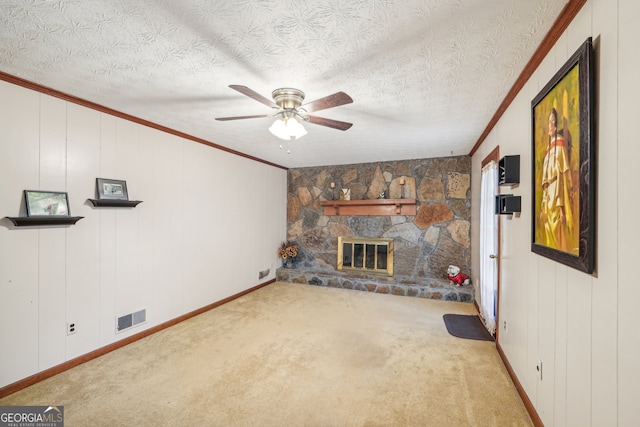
(563, 164)
(288, 252)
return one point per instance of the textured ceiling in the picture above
(426, 76)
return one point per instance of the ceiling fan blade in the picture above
(336, 124)
(224, 119)
(335, 100)
(255, 95)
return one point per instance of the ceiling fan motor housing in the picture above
(288, 98)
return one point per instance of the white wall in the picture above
(583, 327)
(209, 222)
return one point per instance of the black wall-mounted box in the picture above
(509, 170)
(507, 204)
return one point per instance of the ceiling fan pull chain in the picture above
(288, 147)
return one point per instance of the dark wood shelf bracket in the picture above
(114, 203)
(25, 221)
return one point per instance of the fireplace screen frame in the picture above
(367, 250)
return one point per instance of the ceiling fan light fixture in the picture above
(287, 129)
(296, 130)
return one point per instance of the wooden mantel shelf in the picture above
(370, 207)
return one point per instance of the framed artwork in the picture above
(111, 189)
(563, 164)
(46, 203)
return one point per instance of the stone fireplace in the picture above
(429, 234)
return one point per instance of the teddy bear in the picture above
(457, 278)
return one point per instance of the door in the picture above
(489, 242)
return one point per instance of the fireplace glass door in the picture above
(366, 255)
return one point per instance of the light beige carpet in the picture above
(294, 355)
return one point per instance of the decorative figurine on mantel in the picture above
(345, 194)
(382, 195)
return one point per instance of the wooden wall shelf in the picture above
(114, 203)
(25, 221)
(378, 207)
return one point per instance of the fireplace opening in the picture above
(365, 254)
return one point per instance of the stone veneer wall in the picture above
(424, 245)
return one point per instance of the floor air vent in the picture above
(130, 320)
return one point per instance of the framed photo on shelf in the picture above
(46, 203)
(563, 164)
(111, 189)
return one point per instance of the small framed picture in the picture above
(46, 203)
(111, 189)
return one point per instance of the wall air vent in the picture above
(130, 320)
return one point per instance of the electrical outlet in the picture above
(504, 325)
(71, 328)
(539, 369)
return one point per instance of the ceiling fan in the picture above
(288, 103)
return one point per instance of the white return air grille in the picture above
(130, 320)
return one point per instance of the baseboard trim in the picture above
(40, 376)
(537, 422)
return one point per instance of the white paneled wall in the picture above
(208, 223)
(82, 261)
(605, 390)
(52, 242)
(19, 252)
(622, 173)
(581, 326)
